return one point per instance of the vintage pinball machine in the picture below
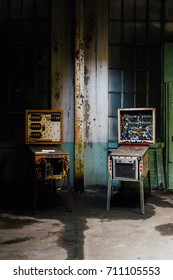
(43, 134)
(130, 161)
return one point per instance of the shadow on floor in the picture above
(68, 228)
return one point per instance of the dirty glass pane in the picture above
(27, 31)
(28, 56)
(141, 82)
(28, 81)
(115, 9)
(154, 10)
(154, 78)
(41, 80)
(3, 8)
(3, 59)
(128, 9)
(115, 56)
(155, 102)
(128, 32)
(113, 129)
(154, 32)
(128, 100)
(140, 32)
(15, 31)
(128, 79)
(114, 103)
(41, 7)
(169, 31)
(41, 55)
(114, 32)
(27, 8)
(114, 80)
(20, 100)
(3, 31)
(141, 100)
(42, 100)
(155, 57)
(15, 101)
(168, 10)
(15, 9)
(41, 32)
(129, 56)
(141, 9)
(15, 81)
(15, 56)
(141, 57)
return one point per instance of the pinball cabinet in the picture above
(130, 161)
(43, 134)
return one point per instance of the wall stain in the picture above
(55, 47)
(86, 77)
(90, 30)
(86, 118)
(56, 83)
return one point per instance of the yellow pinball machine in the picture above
(43, 135)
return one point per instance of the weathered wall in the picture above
(63, 69)
(95, 100)
(96, 92)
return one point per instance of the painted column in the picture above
(62, 71)
(79, 97)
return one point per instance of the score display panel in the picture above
(43, 127)
(136, 125)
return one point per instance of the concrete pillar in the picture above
(79, 97)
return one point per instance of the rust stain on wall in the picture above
(55, 47)
(79, 96)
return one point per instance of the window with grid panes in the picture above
(25, 60)
(137, 32)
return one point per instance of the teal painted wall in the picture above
(95, 161)
(95, 99)
(96, 156)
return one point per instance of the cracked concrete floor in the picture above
(89, 231)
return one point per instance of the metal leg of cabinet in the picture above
(69, 198)
(141, 183)
(141, 186)
(36, 186)
(109, 193)
(35, 191)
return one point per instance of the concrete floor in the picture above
(89, 231)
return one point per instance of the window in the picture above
(137, 30)
(24, 56)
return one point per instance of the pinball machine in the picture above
(43, 135)
(130, 161)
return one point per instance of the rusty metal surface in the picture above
(81, 91)
(79, 96)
